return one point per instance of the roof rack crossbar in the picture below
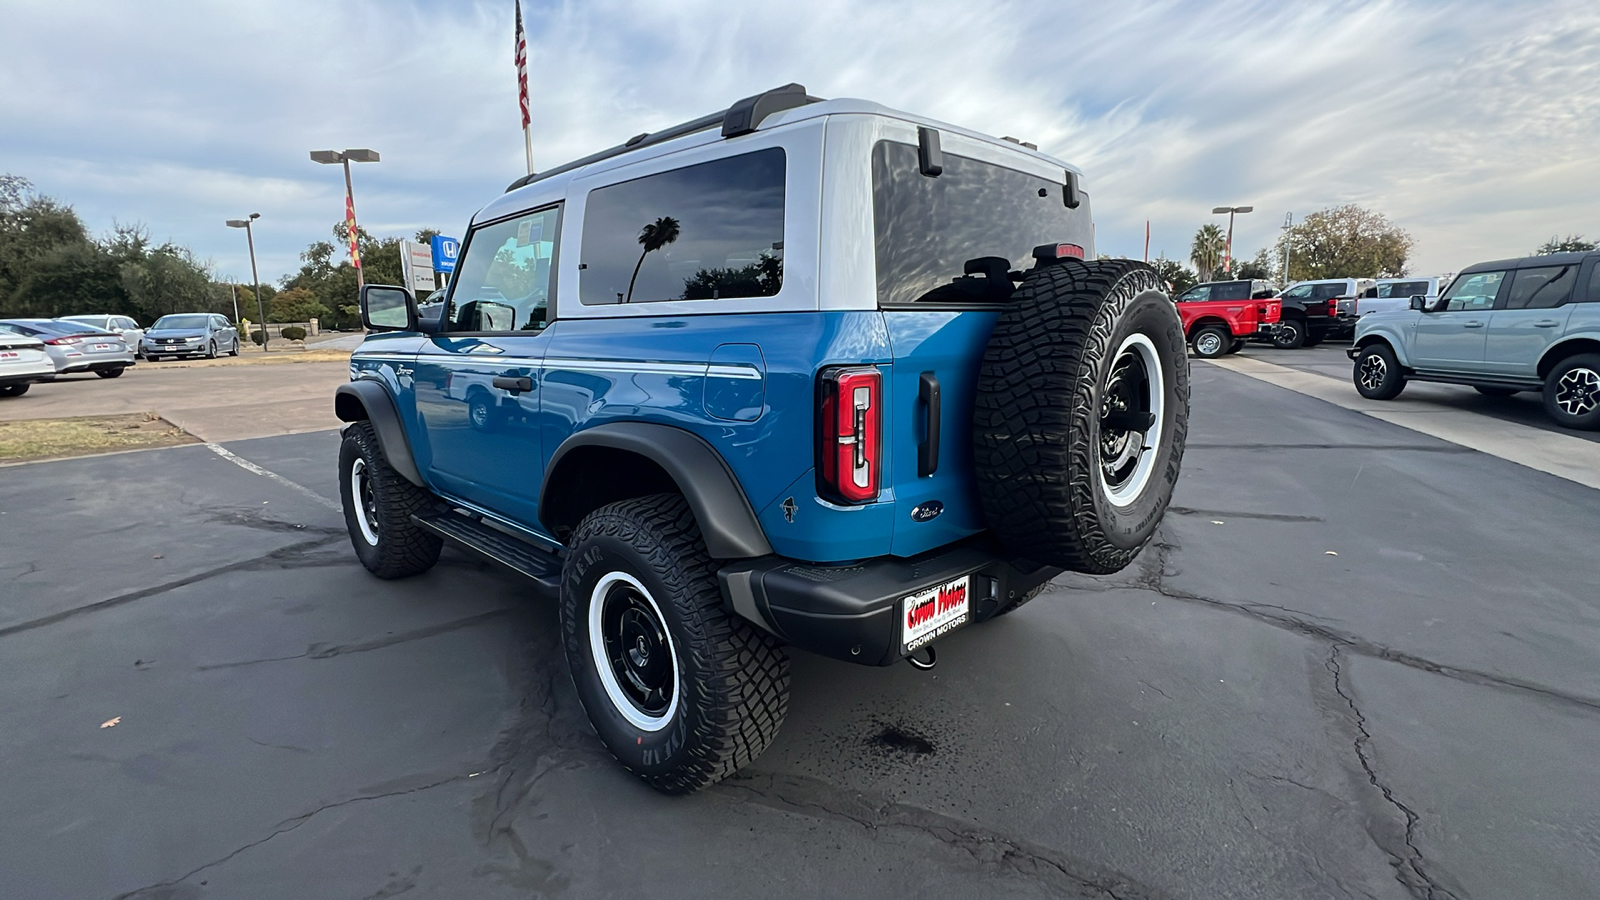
(740, 118)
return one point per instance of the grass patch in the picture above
(31, 439)
(276, 356)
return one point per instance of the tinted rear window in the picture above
(1231, 290)
(1403, 289)
(1542, 288)
(707, 231)
(928, 228)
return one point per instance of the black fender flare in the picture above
(369, 400)
(727, 521)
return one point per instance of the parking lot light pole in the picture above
(261, 305)
(1227, 257)
(329, 157)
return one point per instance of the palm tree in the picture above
(654, 236)
(1206, 253)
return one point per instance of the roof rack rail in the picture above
(740, 118)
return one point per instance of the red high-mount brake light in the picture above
(850, 442)
(1046, 252)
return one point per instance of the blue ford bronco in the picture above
(800, 373)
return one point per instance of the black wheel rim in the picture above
(637, 650)
(1130, 413)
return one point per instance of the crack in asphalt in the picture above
(1415, 448)
(275, 559)
(1154, 576)
(1233, 514)
(328, 651)
(1409, 866)
(819, 799)
(288, 825)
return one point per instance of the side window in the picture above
(1232, 290)
(1327, 291)
(1473, 292)
(704, 232)
(1542, 288)
(1195, 294)
(502, 281)
(1298, 292)
(1594, 286)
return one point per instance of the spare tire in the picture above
(1081, 414)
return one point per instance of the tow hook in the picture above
(933, 658)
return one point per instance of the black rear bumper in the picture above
(849, 611)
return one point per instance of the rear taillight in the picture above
(1047, 252)
(71, 339)
(850, 444)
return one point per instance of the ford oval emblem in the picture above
(927, 512)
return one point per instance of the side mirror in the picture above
(1419, 303)
(386, 308)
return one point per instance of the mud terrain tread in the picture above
(403, 548)
(743, 695)
(1036, 393)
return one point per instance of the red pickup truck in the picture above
(1219, 316)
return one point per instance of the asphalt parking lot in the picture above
(1360, 661)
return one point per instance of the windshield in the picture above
(96, 321)
(180, 322)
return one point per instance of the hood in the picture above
(174, 332)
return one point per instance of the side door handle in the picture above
(928, 451)
(1472, 324)
(513, 384)
(1546, 323)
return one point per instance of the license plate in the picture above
(102, 346)
(933, 613)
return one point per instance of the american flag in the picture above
(522, 67)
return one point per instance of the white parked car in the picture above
(23, 361)
(131, 333)
(1387, 295)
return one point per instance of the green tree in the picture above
(426, 235)
(298, 305)
(1263, 266)
(1570, 243)
(1175, 274)
(1346, 242)
(1206, 251)
(652, 237)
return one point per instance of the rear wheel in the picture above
(1494, 391)
(1289, 335)
(1238, 344)
(110, 373)
(682, 692)
(1572, 392)
(1081, 414)
(1377, 373)
(378, 503)
(1211, 342)
(14, 390)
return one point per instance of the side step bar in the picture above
(538, 564)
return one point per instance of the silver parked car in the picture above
(23, 361)
(125, 326)
(1530, 324)
(190, 334)
(76, 347)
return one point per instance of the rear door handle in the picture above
(928, 451)
(1472, 324)
(1546, 323)
(513, 384)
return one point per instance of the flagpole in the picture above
(527, 140)
(520, 43)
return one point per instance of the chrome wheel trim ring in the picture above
(602, 658)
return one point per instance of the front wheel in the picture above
(1289, 335)
(110, 373)
(235, 349)
(1572, 392)
(682, 692)
(378, 503)
(1377, 373)
(211, 350)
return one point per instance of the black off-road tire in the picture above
(1289, 335)
(400, 548)
(1488, 391)
(730, 680)
(1572, 392)
(1377, 374)
(14, 390)
(1211, 342)
(149, 358)
(1040, 436)
(110, 373)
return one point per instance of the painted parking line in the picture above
(1550, 452)
(249, 466)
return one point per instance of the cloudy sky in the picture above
(1474, 125)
